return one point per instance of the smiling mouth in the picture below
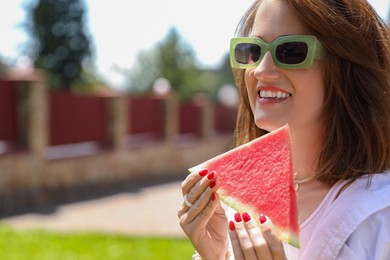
(273, 94)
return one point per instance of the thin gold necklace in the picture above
(298, 182)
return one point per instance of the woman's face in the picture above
(299, 92)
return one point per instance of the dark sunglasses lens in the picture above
(291, 52)
(246, 53)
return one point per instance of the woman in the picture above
(324, 70)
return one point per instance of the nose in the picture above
(267, 67)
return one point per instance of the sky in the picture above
(121, 28)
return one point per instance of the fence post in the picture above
(207, 115)
(118, 122)
(33, 112)
(171, 118)
(207, 122)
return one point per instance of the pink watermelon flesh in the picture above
(257, 177)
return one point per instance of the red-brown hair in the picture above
(357, 77)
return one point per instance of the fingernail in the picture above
(210, 176)
(213, 183)
(246, 217)
(213, 196)
(203, 172)
(262, 219)
(237, 217)
(232, 227)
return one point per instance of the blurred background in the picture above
(104, 105)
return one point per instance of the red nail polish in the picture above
(213, 183)
(246, 217)
(203, 172)
(232, 227)
(210, 176)
(262, 218)
(237, 217)
(213, 196)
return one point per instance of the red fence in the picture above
(77, 118)
(8, 111)
(224, 118)
(146, 116)
(190, 119)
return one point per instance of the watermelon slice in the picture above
(257, 177)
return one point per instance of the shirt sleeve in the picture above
(370, 240)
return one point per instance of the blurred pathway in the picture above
(149, 211)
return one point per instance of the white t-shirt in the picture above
(354, 224)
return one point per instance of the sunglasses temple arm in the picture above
(318, 51)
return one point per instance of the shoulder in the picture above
(361, 199)
(371, 239)
(370, 193)
(365, 200)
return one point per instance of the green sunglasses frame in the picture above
(314, 51)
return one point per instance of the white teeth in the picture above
(270, 94)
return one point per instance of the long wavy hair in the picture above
(356, 108)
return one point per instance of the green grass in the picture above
(44, 245)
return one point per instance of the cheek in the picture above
(312, 81)
(311, 93)
(318, 85)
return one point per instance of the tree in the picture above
(172, 59)
(61, 44)
(221, 76)
(177, 63)
(144, 73)
(175, 60)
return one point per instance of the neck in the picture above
(306, 147)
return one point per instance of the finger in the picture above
(192, 179)
(191, 221)
(260, 244)
(238, 254)
(198, 188)
(205, 186)
(274, 243)
(199, 206)
(195, 192)
(244, 239)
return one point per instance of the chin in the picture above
(269, 125)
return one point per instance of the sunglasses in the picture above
(288, 52)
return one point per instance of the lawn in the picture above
(44, 245)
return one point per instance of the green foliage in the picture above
(222, 76)
(225, 72)
(145, 72)
(61, 44)
(89, 81)
(177, 64)
(175, 60)
(42, 245)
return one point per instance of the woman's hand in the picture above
(204, 222)
(251, 242)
